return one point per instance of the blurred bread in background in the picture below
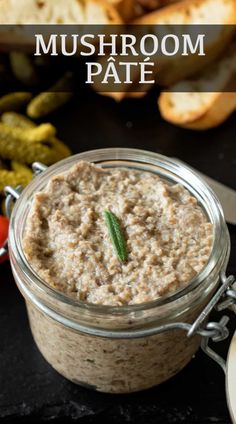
(20, 12)
(155, 4)
(196, 110)
(172, 69)
(192, 11)
(58, 12)
(188, 104)
(131, 9)
(149, 5)
(127, 9)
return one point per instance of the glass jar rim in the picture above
(168, 168)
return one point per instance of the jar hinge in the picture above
(224, 297)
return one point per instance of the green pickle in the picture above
(14, 101)
(28, 153)
(19, 175)
(16, 120)
(23, 68)
(32, 135)
(48, 101)
(15, 147)
(23, 142)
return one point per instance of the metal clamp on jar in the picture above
(126, 348)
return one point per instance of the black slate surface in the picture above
(30, 390)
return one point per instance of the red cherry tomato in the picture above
(4, 224)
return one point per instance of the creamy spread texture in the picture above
(66, 241)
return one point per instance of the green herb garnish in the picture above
(116, 235)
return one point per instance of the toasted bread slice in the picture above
(175, 17)
(132, 9)
(223, 106)
(149, 5)
(22, 12)
(128, 9)
(189, 104)
(192, 12)
(57, 12)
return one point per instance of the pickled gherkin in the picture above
(32, 135)
(21, 168)
(15, 148)
(28, 153)
(59, 146)
(23, 68)
(48, 101)
(14, 101)
(16, 120)
(19, 175)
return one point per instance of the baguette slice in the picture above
(57, 12)
(186, 14)
(222, 108)
(192, 12)
(49, 12)
(196, 108)
(149, 5)
(127, 9)
(132, 9)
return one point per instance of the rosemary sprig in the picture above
(116, 235)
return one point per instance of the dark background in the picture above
(30, 390)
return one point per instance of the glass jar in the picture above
(124, 348)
